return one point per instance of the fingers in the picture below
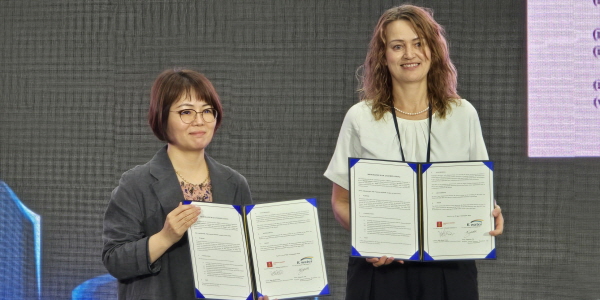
(497, 210)
(183, 214)
(188, 217)
(181, 218)
(184, 208)
(499, 226)
(497, 213)
(378, 262)
(178, 221)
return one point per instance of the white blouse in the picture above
(458, 137)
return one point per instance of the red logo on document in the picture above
(269, 264)
(439, 224)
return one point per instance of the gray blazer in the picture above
(138, 208)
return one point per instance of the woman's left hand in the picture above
(382, 261)
(497, 213)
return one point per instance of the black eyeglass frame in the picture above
(202, 113)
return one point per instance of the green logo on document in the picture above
(305, 260)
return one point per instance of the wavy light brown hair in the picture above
(441, 79)
(168, 87)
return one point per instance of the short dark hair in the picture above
(168, 87)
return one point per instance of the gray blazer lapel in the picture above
(220, 177)
(166, 187)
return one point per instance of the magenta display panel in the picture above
(563, 55)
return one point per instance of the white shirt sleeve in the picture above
(348, 145)
(477, 150)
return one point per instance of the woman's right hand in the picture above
(178, 221)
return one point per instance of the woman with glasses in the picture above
(145, 246)
(409, 99)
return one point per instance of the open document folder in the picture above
(243, 252)
(422, 211)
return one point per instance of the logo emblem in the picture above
(475, 223)
(305, 260)
(439, 224)
(269, 264)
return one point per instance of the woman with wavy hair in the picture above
(409, 111)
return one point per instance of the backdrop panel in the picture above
(74, 91)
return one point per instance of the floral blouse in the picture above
(197, 192)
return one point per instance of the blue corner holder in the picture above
(186, 202)
(312, 201)
(415, 256)
(425, 167)
(238, 208)
(354, 252)
(258, 294)
(199, 295)
(427, 257)
(489, 164)
(249, 208)
(492, 254)
(414, 167)
(352, 161)
(325, 291)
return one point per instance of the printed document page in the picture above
(287, 252)
(383, 210)
(458, 203)
(219, 253)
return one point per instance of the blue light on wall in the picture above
(20, 248)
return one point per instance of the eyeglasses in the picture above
(188, 116)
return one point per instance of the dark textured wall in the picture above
(74, 86)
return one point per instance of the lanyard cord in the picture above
(400, 141)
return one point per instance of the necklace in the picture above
(400, 140)
(412, 114)
(201, 184)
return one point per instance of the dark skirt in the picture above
(450, 280)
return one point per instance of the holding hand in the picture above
(382, 261)
(176, 224)
(178, 221)
(497, 213)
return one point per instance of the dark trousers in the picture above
(453, 280)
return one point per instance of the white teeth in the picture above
(410, 65)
